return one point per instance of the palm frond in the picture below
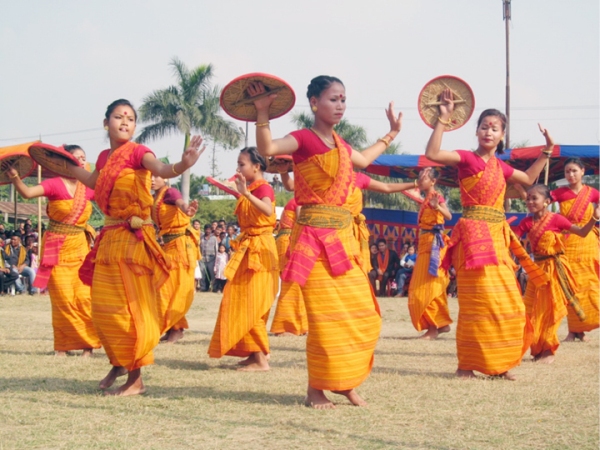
(156, 131)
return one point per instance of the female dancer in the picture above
(491, 321)
(547, 305)
(127, 266)
(64, 247)
(252, 272)
(343, 315)
(577, 205)
(172, 217)
(290, 313)
(427, 300)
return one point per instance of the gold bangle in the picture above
(416, 182)
(448, 124)
(391, 138)
(14, 176)
(262, 124)
(173, 169)
(385, 141)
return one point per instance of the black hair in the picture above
(542, 188)
(208, 226)
(255, 157)
(120, 102)
(72, 148)
(195, 221)
(502, 117)
(576, 161)
(380, 240)
(319, 84)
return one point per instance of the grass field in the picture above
(415, 402)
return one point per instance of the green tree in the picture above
(191, 105)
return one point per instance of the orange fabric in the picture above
(344, 321)
(177, 293)
(582, 254)
(128, 271)
(252, 275)
(493, 331)
(547, 305)
(70, 298)
(290, 312)
(427, 299)
(354, 203)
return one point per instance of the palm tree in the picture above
(355, 135)
(191, 105)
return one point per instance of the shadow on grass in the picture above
(38, 353)
(408, 372)
(181, 364)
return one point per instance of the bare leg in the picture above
(582, 337)
(174, 335)
(508, 376)
(465, 374)
(133, 385)
(570, 337)
(444, 329)
(165, 336)
(285, 333)
(315, 398)
(87, 353)
(114, 373)
(352, 395)
(260, 364)
(245, 362)
(432, 333)
(60, 353)
(546, 357)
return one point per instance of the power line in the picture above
(36, 136)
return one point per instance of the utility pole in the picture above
(507, 18)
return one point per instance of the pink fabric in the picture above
(310, 144)
(55, 189)
(134, 163)
(291, 205)
(471, 164)
(171, 196)
(361, 181)
(264, 191)
(557, 224)
(564, 193)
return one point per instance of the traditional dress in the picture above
(181, 246)
(343, 316)
(290, 312)
(427, 300)
(64, 248)
(547, 305)
(492, 332)
(127, 267)
(359, 224)
(582, 254)
(252, 285)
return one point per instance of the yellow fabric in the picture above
(493, 331)
(177, 293)
(252, 274)
(127, 277)
(355, 204)
(343, 315)
(69, 297)
(427, 299)
(582, 254)
(547, 305)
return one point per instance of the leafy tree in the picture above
(191, 105)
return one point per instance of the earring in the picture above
(314, 109)
(106, 128)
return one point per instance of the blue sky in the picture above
(64, 62)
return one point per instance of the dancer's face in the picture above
(331, 104)
(246, 168)
(425, 182)
(382, 247)
(573, 173)
(121, 124)
(79, 155)
(536, 201)
(157, 183)
(490, 132)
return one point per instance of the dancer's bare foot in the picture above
(444, 329)
(432, 333)
(465, 374)
(133, 385)
(546, 357)
(87, 353)
(353, 396)
(582, 337)
(165, 336)
(315, 398)
(246, 362)
(285, 333)
(60, 353)
(260, 363)
(114, 373)
(174, 336)
(570, 337)
(508, 376)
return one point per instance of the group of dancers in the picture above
(140, 290)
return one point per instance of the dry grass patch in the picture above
(415, 402)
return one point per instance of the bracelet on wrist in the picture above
(16, 175)
(173, 169)
(262, 124)
(416, 183)
(385, 141)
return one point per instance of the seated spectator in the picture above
(17, 260)
(407, 265)
(385, 264)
